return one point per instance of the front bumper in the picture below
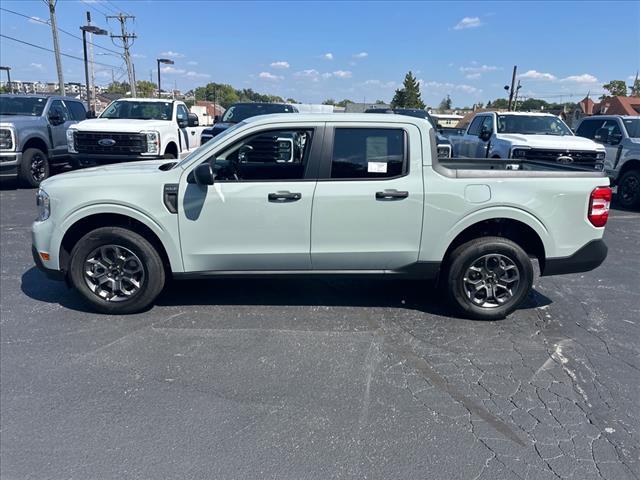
(49, 272)
(590, 256)
(9, 162)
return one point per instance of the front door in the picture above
(58, 128)
(257, 214)
(368, 205)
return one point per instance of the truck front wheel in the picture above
(34, 167)
(116, 270)
(488, 278)
(629, 189)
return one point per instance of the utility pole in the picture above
(56, 45)
(92, 76)
(513, 82)
(125, 37)
(515, 102)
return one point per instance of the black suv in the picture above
(241, 111)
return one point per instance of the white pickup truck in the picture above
(132, 129)
(540, 137)
(321, 194)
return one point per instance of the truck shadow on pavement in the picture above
(313, 292)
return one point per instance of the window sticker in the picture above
(376, 167)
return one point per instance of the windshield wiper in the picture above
(12, 113)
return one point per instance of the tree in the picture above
(489, 104)
(343, 103)
(499, 104)
(409, 95)
(399, 99)
(145, 88)
(445, 104)
(617, 88)
(292, 100)
(532, 104)
(380, 102)
(118, 87)
(329, 101)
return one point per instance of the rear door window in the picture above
(474, 128)
(363, 153)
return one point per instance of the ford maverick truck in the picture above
(132, 129)
(321, 194)
(538, 137)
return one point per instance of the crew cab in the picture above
(132, 129)
(620, 136)
(238, 112)
(33, 134)
(352, 194)
(527, 136)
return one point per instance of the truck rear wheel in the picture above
(488, 278)
(116, 271)
(34, 168)
(629, 189)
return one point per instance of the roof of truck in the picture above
(336, 117)
(152, 100)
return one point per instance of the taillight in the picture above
(599, 206)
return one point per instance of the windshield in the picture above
(32, 106)
(216, 139)
(139, 110)
(633, 127)
(533, 125)
(242, 111)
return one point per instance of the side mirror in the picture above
(183, 122)
(485, 134)
(193, 120)
(55, 118)
(615, 138)
(217, 119)
(602, 135)
(202, 174)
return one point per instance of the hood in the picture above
(105, 174)
(634, 140)
(217, 128)
(117, 125)
(442, 140)
(19, 119)
(550, 141)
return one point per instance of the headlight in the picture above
(7, 139)
(44, 205)
(153, 141)
(519, 152)
(71, 141)
(600, 155)
(444, 151)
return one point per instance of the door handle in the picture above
(392, 194)
(193, 132)
(284, 196)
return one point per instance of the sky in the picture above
(312, 51)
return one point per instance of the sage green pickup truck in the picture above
(321, 194)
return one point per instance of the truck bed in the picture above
(483, 167)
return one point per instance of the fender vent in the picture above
(170, 197)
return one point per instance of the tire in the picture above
(34, 168)
(499, 252)
(100, 246)
(169, 156)
(629, 189)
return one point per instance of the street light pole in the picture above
(168, 62)
(95, 31)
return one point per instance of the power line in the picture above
(44, 22)
(49, 50)
(91, 6)
(119, 9)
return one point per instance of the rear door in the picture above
(368, 204)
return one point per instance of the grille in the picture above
(578, 157)
(125, 143)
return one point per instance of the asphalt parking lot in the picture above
(319, 379)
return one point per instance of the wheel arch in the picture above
(632, 164)
(518, 226)
(81, 225)
(171, 147)
(35, 142)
